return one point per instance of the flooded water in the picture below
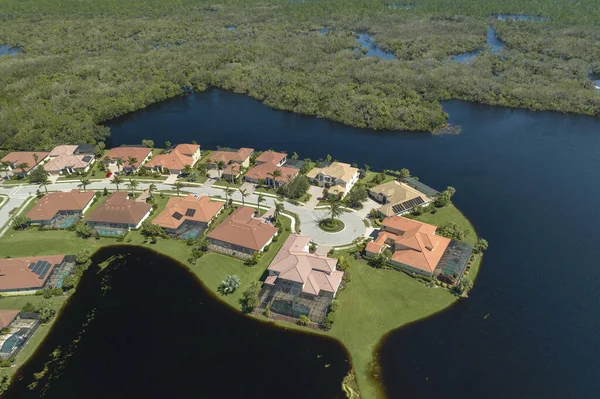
(8, 50)
(373, 50)
(145, 327)
(492, 41)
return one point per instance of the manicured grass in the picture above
(449, 214)
(331, 226)
(226, 183)
(371, 175)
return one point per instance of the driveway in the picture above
(315, 193)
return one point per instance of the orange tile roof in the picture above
(413, 243)
(316, 273)
(140, 153)
(262, 172)
(7, 316)
(187, 149)
(72, 161)
(205, 211)
(52, 203)
(232, 169)
(63, 150)
(173, 160)
(238, 156)
(243, 229)
(119, 209)
(15, 273)
(271, 157)
(19, 157)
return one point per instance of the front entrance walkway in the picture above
(171, 179)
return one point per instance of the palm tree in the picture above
(260, 199)
(23, 166)
(187, 169)
(233, 170)
(35, 158)
(245, 194)
(278, 209)
(178, 186)
(116, 180)
(133, 185)
(44, 182)
(335, 208)
(228, 192)
(119, 164)
(131, 161)
(84, 182)
(274, 175)
(295, 156)
(220, 166)
(6, 166)
(152, 187)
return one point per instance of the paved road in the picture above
(16, 197)
(354, 226)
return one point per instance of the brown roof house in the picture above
(69, 164)
(61, 209)
(414, 245)
(397, 198)
(188, 217)
(140, 154)
(338, 177)
(306, 281)
(265, 171)
(241, 157)
(28, 273)
(175, 161)
(115, 216)
(241, 234)
(29, 160)
(272, 157)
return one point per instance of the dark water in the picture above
(492, 41)
(156, 333)
(529, 182)
(373, 50)
(8, 50)
(519, 17)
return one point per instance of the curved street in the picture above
(354, 225)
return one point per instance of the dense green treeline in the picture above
(78, 70)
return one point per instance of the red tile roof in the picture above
(19, 157)
(140, 153)
(244, 230)
(413, 243)
(204, 211)
(187, 149)
(50, 204)
(119, 209)
(15, 273)
(263, 170)
(176, 159)
(238, 156)
(316, 273)
(7, 317)
(271, 157)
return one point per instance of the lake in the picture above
(373, 50)
(492, 41)
(155, 332)
(529, 182)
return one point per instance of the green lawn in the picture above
(226, 183)
(373, 303)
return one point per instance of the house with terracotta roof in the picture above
(241, 234)
(338, 177)
(397, 198)
(69, 164)
(176, 160)
(62, 150)
(188, 217)
(28, 159)
(266, 170)
(118, 214)
(28, 273)
(61, 209)
(240, 157)
(139, 154)
(272, 157)
(414, 245)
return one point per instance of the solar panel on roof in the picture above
(190, 212)
(177, 215)
(406, 205)
(44, 271)
(38, 267)
(31, 265)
